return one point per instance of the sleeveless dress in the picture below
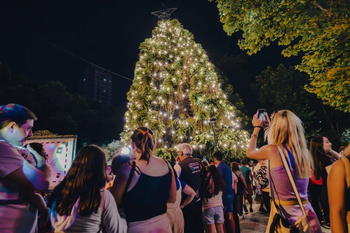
(145, 204)
(285, 193)
(174, 212)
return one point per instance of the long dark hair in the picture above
(219, 182)
(85, 179)
(144, 141)
(234, 167)
(317, 152)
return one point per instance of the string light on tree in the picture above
(176, 91)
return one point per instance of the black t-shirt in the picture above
(191, 174)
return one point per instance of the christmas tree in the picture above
(177, 94)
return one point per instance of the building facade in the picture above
(97, 85)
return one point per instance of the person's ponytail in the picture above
(146, 146)
(143, 140)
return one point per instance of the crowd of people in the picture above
(145, 193)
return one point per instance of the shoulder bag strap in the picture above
(272, 184)
(272, 189)
(291, 180)
(347, 170)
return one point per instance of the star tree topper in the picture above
(164, 14)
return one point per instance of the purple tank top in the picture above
(281, 183)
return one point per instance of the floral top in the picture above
(262, 177)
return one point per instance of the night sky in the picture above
(108, 33)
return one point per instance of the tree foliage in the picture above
(113, 148)
(319, 31)
(176, 92)
(283, 89)
(345, 137)
(59, 111)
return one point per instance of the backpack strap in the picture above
(347, 169)
(239, 180)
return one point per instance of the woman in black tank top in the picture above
(144, 188)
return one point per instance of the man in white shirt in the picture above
(17, 215)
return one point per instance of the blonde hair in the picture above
(185, 148)
(286, 129)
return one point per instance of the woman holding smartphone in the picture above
(285, 131)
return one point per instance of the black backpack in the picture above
(207, 188)
(240, 183)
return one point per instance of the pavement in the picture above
(257, 222)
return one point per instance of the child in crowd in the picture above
(213, 214)
(117, 162)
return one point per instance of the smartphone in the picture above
(262, 114)
(204, 159)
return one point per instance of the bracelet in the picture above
(258, 127)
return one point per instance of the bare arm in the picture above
(190, 195)
(265, 152)
(172, 192)
(243, 180)
(40, 162)
(119, 184)
(335, 154)
(336, 197)
(31, 177)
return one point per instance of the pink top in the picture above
(234, 182)
(214, 201)
(13, 217)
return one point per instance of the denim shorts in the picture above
(213, 215)
(227, 201)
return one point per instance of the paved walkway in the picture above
(254, 222)
(257, 222)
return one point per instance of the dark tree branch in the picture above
(323, 9)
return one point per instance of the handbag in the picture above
(277, 221)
